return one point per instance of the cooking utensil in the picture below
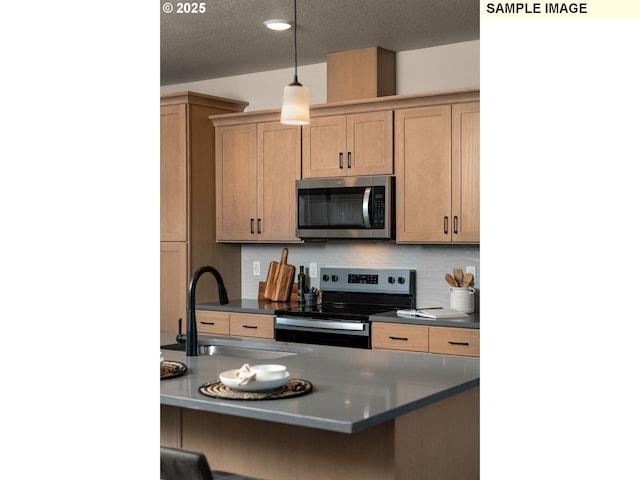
(284, 279)
(450, 280)
(458, 275)
(467, 279)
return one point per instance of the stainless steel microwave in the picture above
(346, 207)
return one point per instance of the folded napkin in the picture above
(245, 374)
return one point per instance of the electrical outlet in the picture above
(470, 269)
(256, 268)
(313, 270)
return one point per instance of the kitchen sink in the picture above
(242, 349)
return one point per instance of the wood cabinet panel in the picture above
(251, 325)
(279, 151)
(173, 285)
(423, 174)
(324, 143)
(236, 182)
(212, 322)
(454, 341)
(348, 145)
(465, 174)
(398, 336)
(173, 173)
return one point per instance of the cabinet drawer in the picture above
(212, 322)
(251, 325)
(454, 341)
(397, 336)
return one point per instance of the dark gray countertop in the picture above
(268, 307)
(353, 389)
(471, 321)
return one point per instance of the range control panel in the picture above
(394, 280)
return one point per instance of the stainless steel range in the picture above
(349, 296)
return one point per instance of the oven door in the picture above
(334, 332)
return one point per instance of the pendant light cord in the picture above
(295, 41)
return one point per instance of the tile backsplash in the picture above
(431, 262)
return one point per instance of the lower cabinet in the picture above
(424, 339)
(236, 324)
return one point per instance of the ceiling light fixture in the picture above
(295, 98)
(278, 24)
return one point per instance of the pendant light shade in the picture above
(295, 104)
(295, 98)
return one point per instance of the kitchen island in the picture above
(371, 414)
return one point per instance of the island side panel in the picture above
(440, 441)
(170, 426)
(285, 452)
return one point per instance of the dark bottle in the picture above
(302, 284)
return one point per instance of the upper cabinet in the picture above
(430, 142)
(348, 145)
(257, 164)
(437, 165)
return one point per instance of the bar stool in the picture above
(180, 464)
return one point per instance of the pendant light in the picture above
(295, 99)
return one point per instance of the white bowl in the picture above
(269, 371)
(229, 379)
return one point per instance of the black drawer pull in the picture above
(404, 339)
(466, 344)
(249, 326)
(208, 323)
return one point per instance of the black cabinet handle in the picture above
(446, 225)
(249, 326)
(455, 224)
(404, 339)
(340, 159)
(466, 344)
(252, 226)
(208, 323)
(348, 159)
(259, 226)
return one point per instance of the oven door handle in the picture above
(320, 324)
(365, 207)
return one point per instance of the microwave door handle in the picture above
(365, 207)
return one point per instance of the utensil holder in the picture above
(462, 299)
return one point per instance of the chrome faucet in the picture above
(192, 330)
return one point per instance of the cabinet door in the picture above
(236, 216)
(173, 173)
(278, 169)
(251, 325)
(213, 322)
(173, 285)
(324, 144)
(465, 164)
(370, 143)
(423, 171)
(397, 336)
(454, 341)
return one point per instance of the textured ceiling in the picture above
(229, 38)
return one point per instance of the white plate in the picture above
(229, 379)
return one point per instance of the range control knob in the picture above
(391, 280)
(334, 278)
(325, 277)
(400, 280)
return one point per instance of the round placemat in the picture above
(294, 387)
(171, 369)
